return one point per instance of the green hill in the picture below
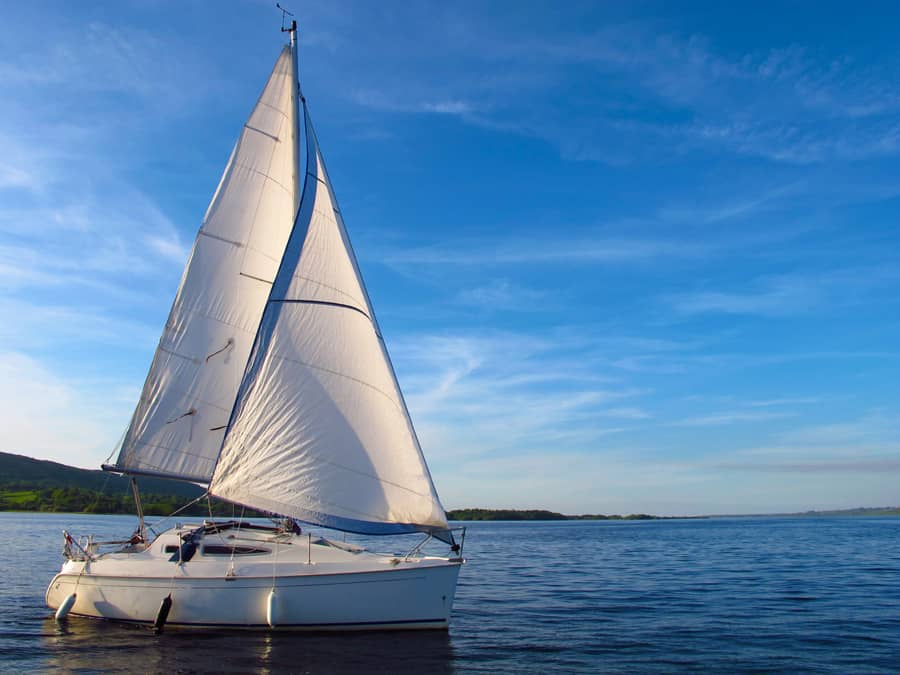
(28, 473)
(28, 484)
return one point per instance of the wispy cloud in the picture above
(865, 466)
(110, 239)
(100, 58)
(39, 326)
(379, 100)
(868, 443)
(499, 393)
(784, 103)
(626, 413)
(793, 294)
(572, 250)
(736, 207)
(874, 429)
(502, 294)
(732, 417)
(776, 297)
(789, 400)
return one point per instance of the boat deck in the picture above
(239, 552)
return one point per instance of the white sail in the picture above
(180, 421)
(320, 430)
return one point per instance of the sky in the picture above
(627, 257)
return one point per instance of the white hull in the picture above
(318, 586)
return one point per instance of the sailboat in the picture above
(272, 386)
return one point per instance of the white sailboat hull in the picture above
(343, 591)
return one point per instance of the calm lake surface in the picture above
(725, 595)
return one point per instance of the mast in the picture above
(296, 97)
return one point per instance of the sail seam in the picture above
(339, 374)
(334, 206)
(223, 322)
(366, 475)
(195, 399)
(264, 133)
(375, 516)
(323, 502)
(324, 285)
(170, 449)
(325, 303)
(262, 253)
(216, 236)
(193, 359)
(269, 105)
(264, 175)
(145, 465)
(192, 400)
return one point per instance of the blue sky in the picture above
(627, 256)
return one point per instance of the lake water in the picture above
(727, 595)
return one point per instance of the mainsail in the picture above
(320, 431)
(180, 421)
(271, 381)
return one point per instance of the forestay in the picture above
(180, 421)
(320, 431)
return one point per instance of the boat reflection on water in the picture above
(91, 645)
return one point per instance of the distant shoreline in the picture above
(454, 515)
(34, 485)
(546, 516)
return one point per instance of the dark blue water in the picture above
(725, 595)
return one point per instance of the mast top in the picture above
(284, 12)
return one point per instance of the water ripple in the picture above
(728, 595)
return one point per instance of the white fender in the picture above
(64, 608)
(272, 609)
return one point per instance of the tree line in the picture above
(82, 500)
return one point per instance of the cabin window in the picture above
(233, 550)
(171, 548)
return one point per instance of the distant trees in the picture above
(21, 497)
(504, 514)
(62, 499)
(534, 514)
